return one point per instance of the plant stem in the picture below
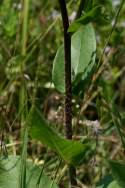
(23, 96)
(81, 8)
(67, 53)
(23, 93)
(23, 53)
(68, 85)
(25, 26)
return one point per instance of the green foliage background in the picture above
(98, 114)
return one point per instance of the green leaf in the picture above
(118, 171)
(10, 173)
(94, 15)
(85, 19)
(72, 152)
(113, 184)
(108, 182)
(58, 70)
(10, 25)
(83, 48)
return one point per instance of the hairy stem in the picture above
(68, 86)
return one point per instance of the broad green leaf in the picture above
(118, 171)
(58, 70)
(94, 15)
(108, 182)
(10, 173)
(113, 184)
(85, 19)
(72, 152)
(83, 48)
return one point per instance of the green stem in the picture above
(25, 26)
(23, 95)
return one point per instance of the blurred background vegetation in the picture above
(102, 109)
